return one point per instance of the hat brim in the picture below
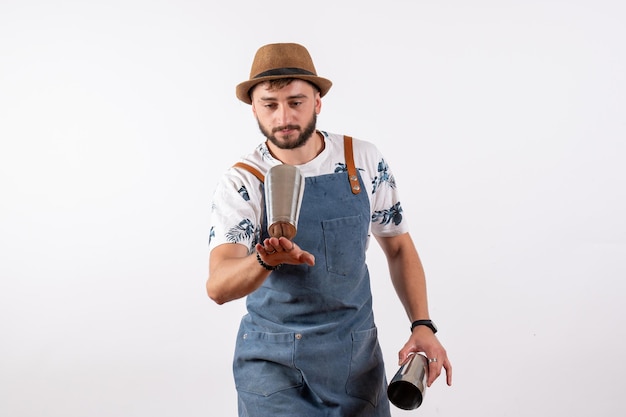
(243, 89)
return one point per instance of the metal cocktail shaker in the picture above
(407, 388)
(284, 187)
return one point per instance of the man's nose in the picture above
(283, 115)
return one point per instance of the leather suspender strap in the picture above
(251, 170)
(354, 179)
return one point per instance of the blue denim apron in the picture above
(308, 346)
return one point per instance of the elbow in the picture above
(218, 301)
(220, 294)
(214, 294)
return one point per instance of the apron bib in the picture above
(308, 345)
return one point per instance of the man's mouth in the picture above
(286, 129)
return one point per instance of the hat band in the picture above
(284, 71)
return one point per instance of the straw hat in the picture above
(281, 60)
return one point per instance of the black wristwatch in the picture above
(427, 323)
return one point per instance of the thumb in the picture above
(307, 258)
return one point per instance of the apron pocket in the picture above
(367, 372)
(264, 363)
(345, 244)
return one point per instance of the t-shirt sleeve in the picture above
(386, 206)
(236, 210)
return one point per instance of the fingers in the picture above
(285, 244)
(437, 357)
(448, 367)
(265, 249)
(285, 251)
(403, 355)
(273, 245)
(435, 366)
(434, 370)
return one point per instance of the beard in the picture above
(302, 138)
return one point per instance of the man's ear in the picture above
(318, 103)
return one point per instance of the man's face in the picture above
(287, 116)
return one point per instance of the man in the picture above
(308, 345)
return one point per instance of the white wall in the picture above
(504, 124)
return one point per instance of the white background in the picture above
(504, 123)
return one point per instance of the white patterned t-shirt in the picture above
(238, 201)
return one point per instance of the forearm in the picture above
(407, 275)
(409, 281)
(234, 278)
(234, 274)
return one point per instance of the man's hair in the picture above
(282, 82)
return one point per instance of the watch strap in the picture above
(427, 323)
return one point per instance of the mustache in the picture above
(290, 127)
